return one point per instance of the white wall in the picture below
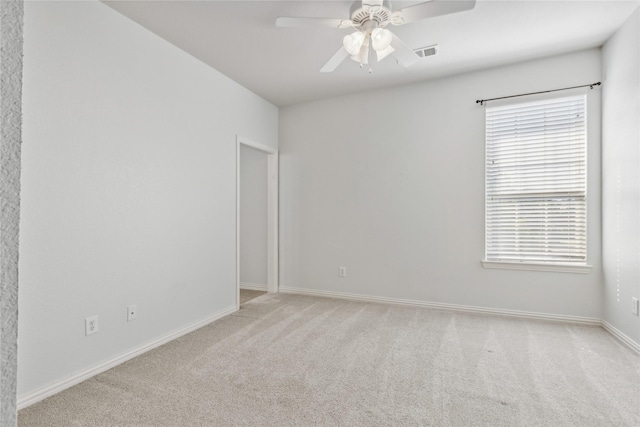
(129, 182)
(253, 216)
(621, 177)
(390, 184)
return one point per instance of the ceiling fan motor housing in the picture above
(370, 14)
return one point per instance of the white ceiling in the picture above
(239, 39)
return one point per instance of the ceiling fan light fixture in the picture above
(381, 39)
(353, 42)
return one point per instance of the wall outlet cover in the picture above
(91, 325)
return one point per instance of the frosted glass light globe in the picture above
(380, 39)
(353, 42)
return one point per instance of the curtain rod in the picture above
(482, 101)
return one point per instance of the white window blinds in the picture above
(535, 182)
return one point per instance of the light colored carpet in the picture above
(288, 360)
(249, 294)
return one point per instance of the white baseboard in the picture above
(442, 306)
(472, 309)
(621, 336)
(57, 387)
(253, 286)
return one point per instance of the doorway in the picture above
(257, 209)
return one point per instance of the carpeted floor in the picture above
(248, 294)
(289, 360)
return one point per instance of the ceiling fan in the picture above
(369, 18)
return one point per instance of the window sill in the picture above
(561, 268)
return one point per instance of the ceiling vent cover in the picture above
(423, 52)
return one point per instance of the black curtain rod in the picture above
(482, 101)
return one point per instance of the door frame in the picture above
(272, 214)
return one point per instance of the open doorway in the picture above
(256, 218)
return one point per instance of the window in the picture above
(536, 185)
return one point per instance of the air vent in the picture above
(423, 52)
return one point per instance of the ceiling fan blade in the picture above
(381, 54)
(287, 22)
(403, 53)
(434, 8)
(335, 60)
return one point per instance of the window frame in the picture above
(523, 264)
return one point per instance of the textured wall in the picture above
(10, 138)
(390, 184)
(621, 177)
(128, 189)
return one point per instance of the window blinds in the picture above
(536, 182)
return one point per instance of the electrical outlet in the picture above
(342, 272)
(91, 325)
(132, 313)
(634, 302)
